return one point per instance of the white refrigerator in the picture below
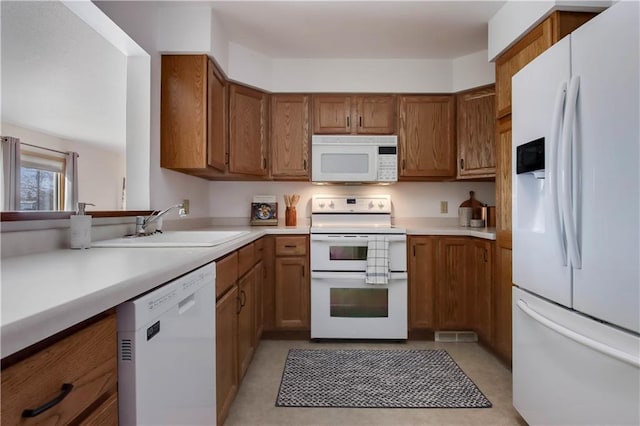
(576, 234)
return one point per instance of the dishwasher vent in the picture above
(456, 336)
(126, 351)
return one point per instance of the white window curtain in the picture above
(10, 173)
(71, 181)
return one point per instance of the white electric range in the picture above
(343, 304)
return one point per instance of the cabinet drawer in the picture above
(259, 249)
(291, 246)
(105, 415)
(226, 273)
(85, 359)
(246, 258)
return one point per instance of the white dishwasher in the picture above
(167, 353)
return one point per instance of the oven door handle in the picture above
(359, 276)
(354, 237)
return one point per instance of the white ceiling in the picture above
(358, 29)
(61, 77)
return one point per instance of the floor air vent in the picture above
(456, 336)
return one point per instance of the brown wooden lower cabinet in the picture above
(451, 284)
(239, 320)
(501, 341)
(226, 352)
(292, 292)
(422, 253)
(452, 272)
(246, 321)
(480, 287)
(85, 359)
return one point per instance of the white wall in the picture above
(139, 20)
(100, 171)
(249, 67)
(184, 29)
(362, 75)
(219, 43)
(472, 71)
(410, 199)
(516, 18)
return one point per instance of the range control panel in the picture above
(351, 204)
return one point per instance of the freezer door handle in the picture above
(554, 167)
(579, 338)
(566, 181)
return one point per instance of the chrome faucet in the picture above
(143, 222)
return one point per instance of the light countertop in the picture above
(45, 293)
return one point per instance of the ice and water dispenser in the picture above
(529, 207)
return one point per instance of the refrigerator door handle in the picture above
(579, 338)
(554, 168)
(566, 173)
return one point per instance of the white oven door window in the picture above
(349, 252)
(343, 306)
(359, 302)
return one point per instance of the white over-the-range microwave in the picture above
(354, 159)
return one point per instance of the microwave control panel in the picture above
(387, 168)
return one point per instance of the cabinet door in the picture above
(502, 301)
(451, 283)
(479, 287)
(292, 293)
(246, 322)
(290, 136)
(332, 115)
(183, 112)
(217, 136)
(426, 136)
(503, 177)
(422, 252)
(476, 125)
(226, 352)
(375, 114)
(259, 302)
(247, 131)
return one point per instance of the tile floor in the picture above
(255, 402)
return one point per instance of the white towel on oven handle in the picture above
(377, 260)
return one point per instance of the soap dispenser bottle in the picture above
(81, 228)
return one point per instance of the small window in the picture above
(41, 181)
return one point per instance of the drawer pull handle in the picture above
(32, 412)
(243, 298)
(290, 246)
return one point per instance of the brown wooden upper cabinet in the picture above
(290, 137)
(476, 123)
(247, 131)
(354, 114)
(193, 130)
(426, 137)
(539, 39)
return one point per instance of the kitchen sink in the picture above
(173, 239)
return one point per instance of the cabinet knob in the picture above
(348, 122)
(360, 121)
(462, 164)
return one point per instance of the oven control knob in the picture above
(331, 204)
(321, 205)
(370, 204)
(381, 204)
